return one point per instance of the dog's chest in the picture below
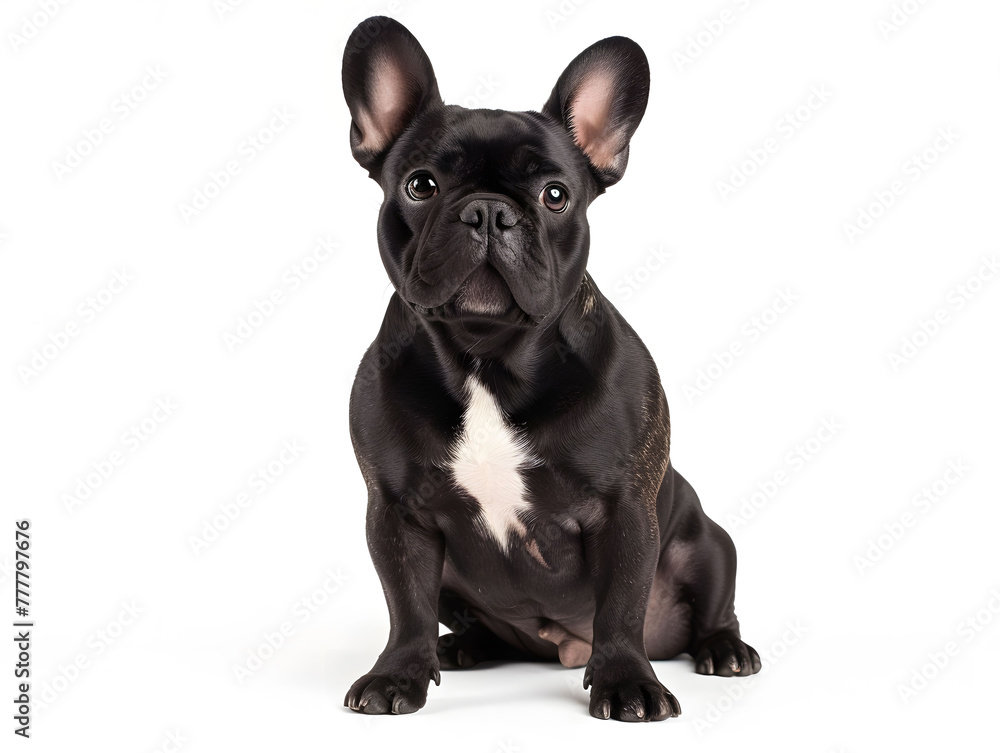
(488, 460)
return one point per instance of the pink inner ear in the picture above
(383, 120)
(590, 109)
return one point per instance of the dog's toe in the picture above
(634, 702)
(725, 655)
(386, 694)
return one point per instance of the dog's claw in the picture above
(725, 655)
(635, 696)
(386, 694)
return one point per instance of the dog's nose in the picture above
(487, 212)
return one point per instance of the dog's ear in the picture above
(388, 81)
(600, 98)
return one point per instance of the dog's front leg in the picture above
(622, 552)
(408, 557)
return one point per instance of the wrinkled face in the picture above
(485, 215)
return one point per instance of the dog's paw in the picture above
(630, 697)
(377, 693)
(473, 646)
(455, 653)
(640, 701)
(725, 655)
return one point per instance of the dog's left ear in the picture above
(600, 98)
(388, 81)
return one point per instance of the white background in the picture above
(862, 631)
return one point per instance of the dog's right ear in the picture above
(388, 81)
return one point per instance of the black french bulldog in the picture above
(509, 424)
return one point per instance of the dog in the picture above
(510, 426)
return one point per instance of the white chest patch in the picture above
(487, 460)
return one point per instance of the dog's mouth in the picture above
(484, 296)
(484, 293)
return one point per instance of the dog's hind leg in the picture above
(704, 569)
(471, 642)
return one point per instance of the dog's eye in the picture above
(421, 187)
(554, 197)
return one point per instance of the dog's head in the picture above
(484, 217)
